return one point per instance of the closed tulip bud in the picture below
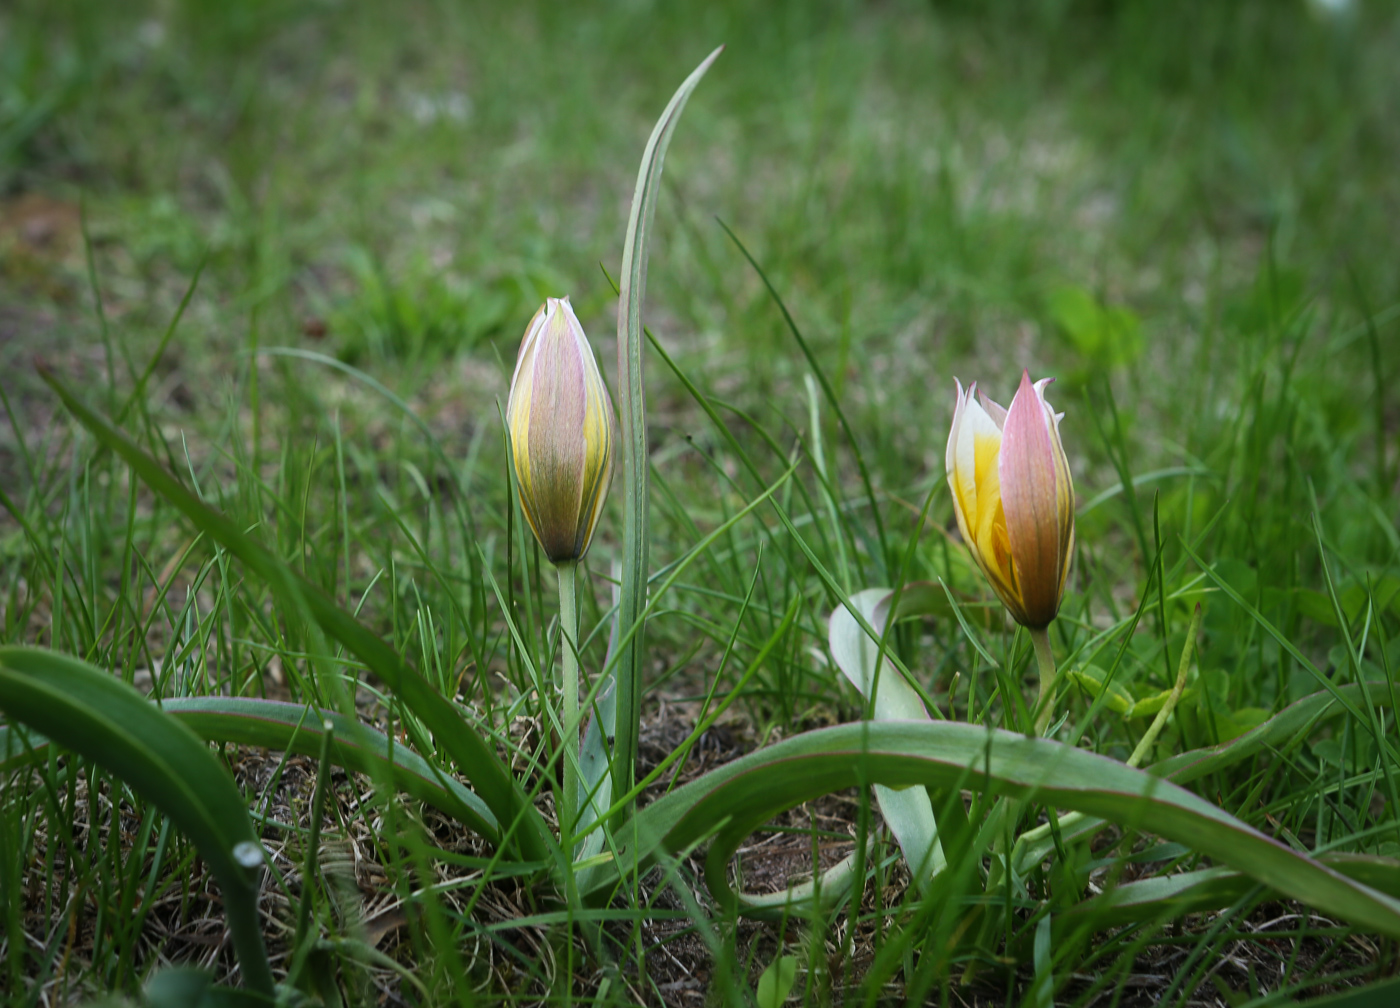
(1013, 497)
(561, 432)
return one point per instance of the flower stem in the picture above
(1045, 658)
(568, 623)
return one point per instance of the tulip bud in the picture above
(561, 432)
(1013, 497)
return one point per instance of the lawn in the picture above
(287, 699)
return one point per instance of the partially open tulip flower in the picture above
(1014, 501)
(561, 432)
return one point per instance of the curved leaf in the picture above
(106, 721)
(474, 758)
(736, 799)
(631, 402)
(274, 724)
(857, 654)
(289, 727)
(1279, 731)
(1165, 896)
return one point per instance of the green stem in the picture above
(1045, 658)
(568, 622)
(1025, 852)
(1144, 746)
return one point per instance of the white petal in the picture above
(975, 421)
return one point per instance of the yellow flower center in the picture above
(989, 525)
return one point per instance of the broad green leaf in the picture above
(1280, 731)
(1284, 728)
(474, 757)
(184, 987)
(289, 727)
(1384, 596)
(104, 720)
(775, 984)
(1315, 605)
(273, 724)
(908, 812)
(1237, 722)
(631, 405)
(1169, 896)
(732, 801)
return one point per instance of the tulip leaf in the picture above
(1166, 896)
(469, 750)
(1279, 731)
(856, 654)
(908, 812)
(104, 720)
(185, 987)
(289, 727)
(632, 412)
(274, 724)
(1275, 733)
(730, 802)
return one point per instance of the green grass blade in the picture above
(632, 409)
(736, 799)
(1323, 680)
(471, 753)
(885, 561)
(105, 721)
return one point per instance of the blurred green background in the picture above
(1185, 211)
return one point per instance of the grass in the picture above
(1186, 216)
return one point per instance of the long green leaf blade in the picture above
(275, 724)
(632, 408)
(106, 721)
(736, 799)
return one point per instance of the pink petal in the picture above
(1032, 496)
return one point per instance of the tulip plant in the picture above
(561, 440)
(1011, 491)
